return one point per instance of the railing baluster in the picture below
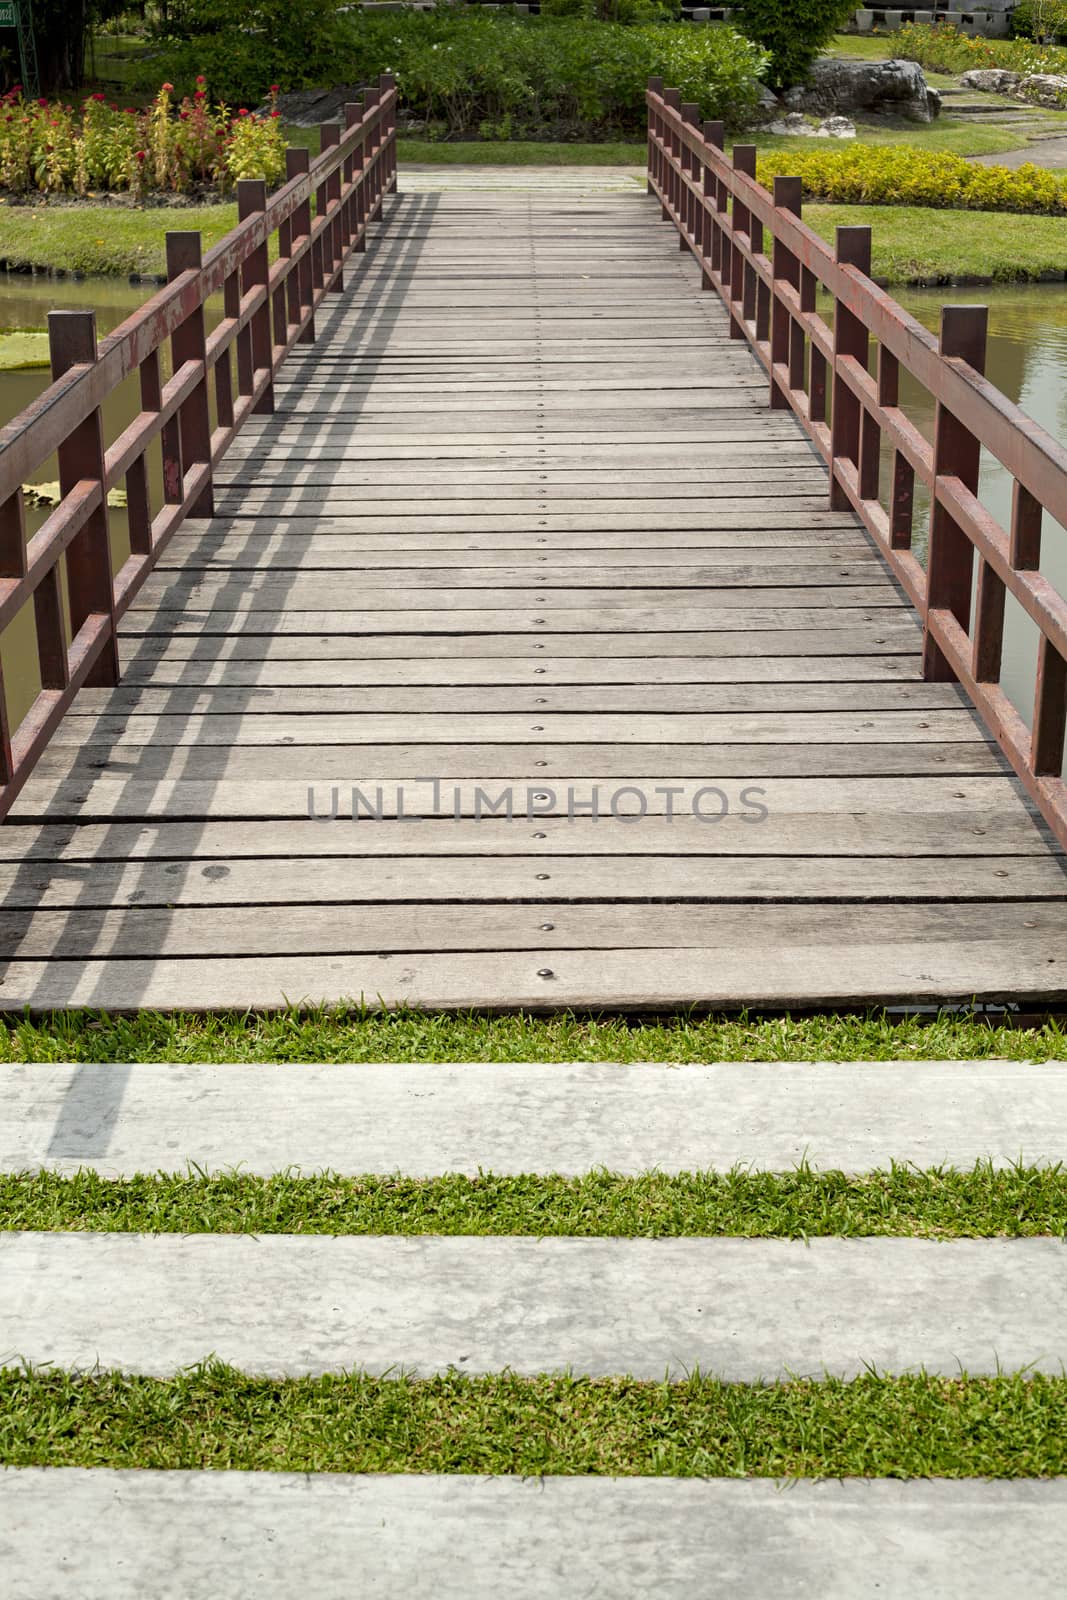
(902, 478)
(353, 113)
(691, 117)
(655, 86)
(371, 147)
(189, 343)
(957, 454)
(851, 338)
(711, 246)
(1050, 712)
(297, 165)
(786, 267)
(251, 199)
(744, 160)
(1025, 537)
(90, 585)
(386, 83)
(329, 194)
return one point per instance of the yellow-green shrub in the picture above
(901, 175)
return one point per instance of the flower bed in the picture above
(181, 146)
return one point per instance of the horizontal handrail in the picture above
(823, 374)
(267, 309)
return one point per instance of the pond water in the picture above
(1027, 360)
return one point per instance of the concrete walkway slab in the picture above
(76, 1535)
(424, 1120)
(742, 1309)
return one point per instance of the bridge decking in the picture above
(522, 519)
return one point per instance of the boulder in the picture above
(836, 128)
(794, 124)
(893, 88)
(991, 80)
(1042, 89)
(306, 108)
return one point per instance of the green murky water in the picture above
(1027, 360)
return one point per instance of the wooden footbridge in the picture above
(501, 619)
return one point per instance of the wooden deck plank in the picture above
(523, 520)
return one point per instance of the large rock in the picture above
(1042, 89)
(305, 108)
(991, 80)
(888, 88)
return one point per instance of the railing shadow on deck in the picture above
(729, 221)
(267, 312)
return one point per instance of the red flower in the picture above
(130, 112)
(275, 113)
(242, 112)
(273, 88)
(140, 155)
(201, 78)
(166, 88)
(98, 96)
(183, 116)
(42, 101)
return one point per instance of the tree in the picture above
(60, 29)
(794, 31)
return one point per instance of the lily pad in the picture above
(22, 350)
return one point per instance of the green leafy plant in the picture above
(945, 49)
(794, 32)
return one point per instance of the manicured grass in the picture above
(980, 1203)
(352, 1034)
(103, 239)
(915, 245)
(214, 1417)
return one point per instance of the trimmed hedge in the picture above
(496, 76)
(902, 175)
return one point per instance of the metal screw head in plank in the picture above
(542, 877)
(548, 927)
(545, 972)
(540, 835)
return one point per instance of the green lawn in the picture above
(348, 1034)
(900, 1202)
(102, 239)
(913, 244)
(215, 1417)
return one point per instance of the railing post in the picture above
(744, 160)
(297, 165)
(189, 343)
(252, 198)
(711, 248)
(957, 454)
(688, 232)
(673, 99)
(386, 83)
(786, 269)
(655, 86)
(329, 194)
(851, 338)
(353, 111)
(90, 584)
(372, 155)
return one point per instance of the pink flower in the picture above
(201, 78)
(42, 101)
(166, 88)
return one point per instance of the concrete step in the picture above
(739, 1309)
(102, 1535)
(428, 1119)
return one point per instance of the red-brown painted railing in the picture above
(266, 310)
(730, 223)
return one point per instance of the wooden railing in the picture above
(767, 267)
(266, 310)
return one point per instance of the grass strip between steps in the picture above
(939, 1203)
(354, 1033)
(214, 1417)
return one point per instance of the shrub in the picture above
(902, 175)
(464, 72)
(58, 149)
(794, 31)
